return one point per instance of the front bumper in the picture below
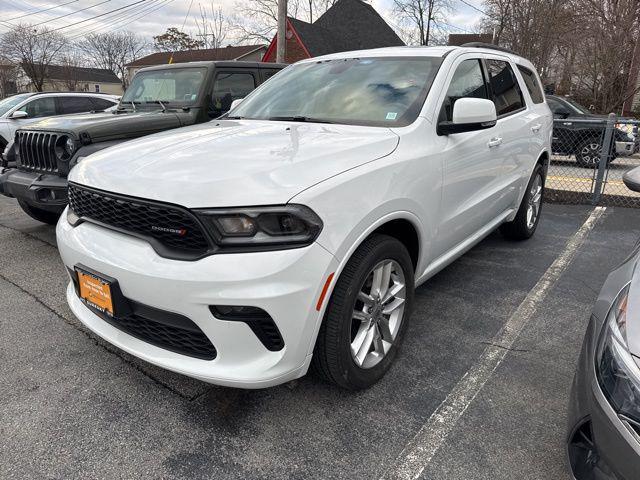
(625, 149)
(44, 191)
(617, 446)
(286, 284)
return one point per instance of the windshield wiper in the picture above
(300, 118)
(164, 109)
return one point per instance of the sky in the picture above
(153, 17)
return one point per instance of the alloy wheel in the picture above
(535, 199)
(591, 153)
(378, 313)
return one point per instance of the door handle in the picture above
(494, 142)
(536, 128)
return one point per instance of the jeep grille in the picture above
(37, 151)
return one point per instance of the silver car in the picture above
(24, 108)
(604, 411)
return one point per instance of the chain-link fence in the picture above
(590, 156)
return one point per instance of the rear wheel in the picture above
(524, 225)
(367, 315)
(44, 216)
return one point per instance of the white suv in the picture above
(294, 231)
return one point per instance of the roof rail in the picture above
(490, 46)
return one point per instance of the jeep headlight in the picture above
(65, 147)
(616, 368)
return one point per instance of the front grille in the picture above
(173, 232)
(37, 151)
(186, 341)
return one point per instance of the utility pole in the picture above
(282, 31)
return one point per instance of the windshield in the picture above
(384, 91)
(577, 107)
(172, 86)
(10, 102)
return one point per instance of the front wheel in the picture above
(524, 225)
(367, 315)
(44, 216)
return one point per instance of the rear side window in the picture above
(467, 82)
(532, 84)
(101, 104)
(41, 107)
(75, 105)
(227, 88)
(506, 93)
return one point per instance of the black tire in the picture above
(520, 228)
(332, 358)
(44, 216)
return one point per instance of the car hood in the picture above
(110, 126)
(233, 163)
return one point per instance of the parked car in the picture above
(579, 132)
(604, 410)
(22, 109)
(159, 98)
(295, 229)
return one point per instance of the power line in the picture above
(40, 11)
(125, 18)
(69, 14)
(96, 16)
(474, 7)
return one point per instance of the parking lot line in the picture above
(420, 450)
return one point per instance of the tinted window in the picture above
(227, 88)
(506, 92)
(387, 91)
(268, 73)
(556, 107)
(467, 82)
(75, 105)
(101, 104)
(42, 107)
(532, 84)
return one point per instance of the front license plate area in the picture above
(96, 292)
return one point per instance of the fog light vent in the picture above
(259, 321)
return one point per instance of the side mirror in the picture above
(18, 114)
(632, 179)
(235, 103)
(469, 115)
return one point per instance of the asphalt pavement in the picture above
(72, 406)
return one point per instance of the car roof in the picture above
(422, 51)
(215, 63)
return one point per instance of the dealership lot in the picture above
(75, 407)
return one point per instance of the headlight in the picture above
(70, 146)
(65, 147)
(617, 371)
(284, 226)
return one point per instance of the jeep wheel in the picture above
(44, 216)
(367, 315)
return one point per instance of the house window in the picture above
(97, 88)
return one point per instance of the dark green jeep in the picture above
(159, 98)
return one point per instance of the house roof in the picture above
(347, 25)
(82, 74)
(459, 39)
(205, 54)
(355, 25)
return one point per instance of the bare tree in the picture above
(212, 26)
(34, 49)
(113, 51)
(69, 63)
(418, 18)
(260, 17)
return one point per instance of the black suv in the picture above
(159, 98)
(577, 131)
